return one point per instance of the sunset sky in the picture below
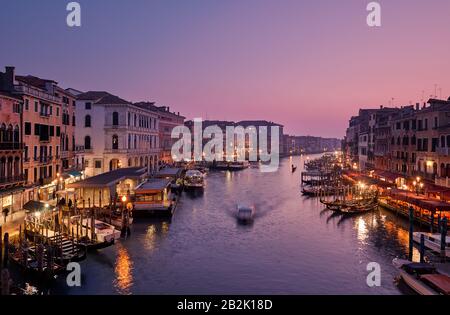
(308, 65)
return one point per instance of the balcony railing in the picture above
(11, 146)
(36, 92)
(443, 151)
(12, 179)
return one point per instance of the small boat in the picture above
(423, 278)
(355, 209)
(194, 180)
(237, 166)
(433, 242)
(105, 234)
(245, 214)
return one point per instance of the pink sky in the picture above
(306, 64)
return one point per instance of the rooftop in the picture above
(110, 178)
(153, 184)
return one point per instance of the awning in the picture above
(421, 201)
(33, 206)
(386, 175)
(74, 173)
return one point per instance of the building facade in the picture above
(11, 150)
(167, 121)
(112, 133)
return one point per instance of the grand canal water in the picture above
(293, 247)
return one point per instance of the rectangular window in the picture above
(27, 128)
(36, 106)
(35, 152)
(50, 171)
(51, 110)
(98, 164)
(52, 131)
(25, 153)
(37, 128)
(57, 111)
(27, 104)
(58, 131)
(35, 174)
(88, 105)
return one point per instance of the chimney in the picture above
(381, 106)
(168, 109)
(9, 78)
(417, 106)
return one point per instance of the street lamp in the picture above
(418, 185)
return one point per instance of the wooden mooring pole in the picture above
(411, 231)
(443, 236)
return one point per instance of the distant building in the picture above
(407, 142)
(113, 133)
(294, 145)
(245, 124)
(167, 121)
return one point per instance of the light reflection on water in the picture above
(123, 271)
(293, 247)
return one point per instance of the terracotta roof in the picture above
(101, 97)
(34, 81)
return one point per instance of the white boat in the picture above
(433, 242)
(422, 277)
(105, 233)
(245, 213)
(194, 179)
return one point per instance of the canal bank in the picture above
(293, 246)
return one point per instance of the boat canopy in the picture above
(440, 282)
(419, 268)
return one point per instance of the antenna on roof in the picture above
(435, 90)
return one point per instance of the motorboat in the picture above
(245, 213)
(194, 179)
(433, 242)
(423, 278)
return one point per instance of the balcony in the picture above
(12, 180)
(36, 92)
(443, 151)
(45, 181)
(44, 115)
(8, 146)
(442, 181)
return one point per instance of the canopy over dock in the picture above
(169, 172)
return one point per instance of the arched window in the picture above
(115, 118)
(115, 142)
(413, 140)
(87, 143)
(87, 121)
(16, 134)
(3, 133)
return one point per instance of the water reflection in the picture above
(156, 230)
(123, 271)
(294, 246)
